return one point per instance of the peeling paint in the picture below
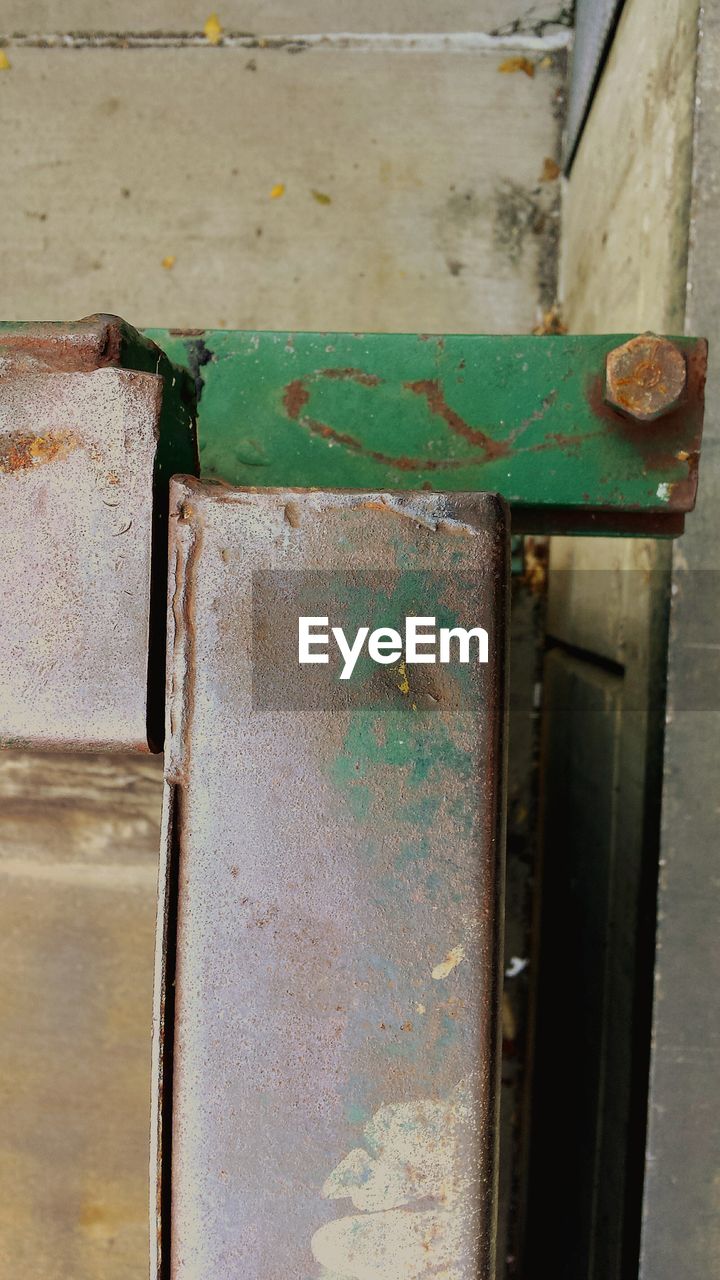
(432, 390)
(451, 961)
(414, 1194)
(21, 451)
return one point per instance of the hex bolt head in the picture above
(645, 378)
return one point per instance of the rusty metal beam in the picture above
(339, 862)
(86, 450)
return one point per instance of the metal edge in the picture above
(179, 634)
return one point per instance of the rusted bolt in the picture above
(645, 377)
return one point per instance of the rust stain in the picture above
(295, 397)
(683, 493)
(352, 375)
(697, 358)
(23, 450)
(561, 440)
(292, 514)
(645, 377)
(401, 513)
(433, 392)
(510, 65)
(401, 463)
(535, 567)
(296, 394)
(660, 442)
(92, 343)
(550, 170)
(551, 323)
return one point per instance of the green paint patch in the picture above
(421, 810)
(522, 416)
(398, 737)
(355, 1114)
(418, 851)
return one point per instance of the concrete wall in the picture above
(119, 158)
(624, 261)
(681, 1218)
(120, 149)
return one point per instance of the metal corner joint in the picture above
(325, 1051)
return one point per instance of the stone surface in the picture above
(78, 865)
(626, 205)
(681, 1229)
(623, 269)
(287, 17)
(114, 160)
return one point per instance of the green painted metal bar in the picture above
(522, 416)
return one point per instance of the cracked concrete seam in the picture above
(423, 42)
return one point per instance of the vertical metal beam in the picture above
(77, 454)
(93, 420)
(339, 862)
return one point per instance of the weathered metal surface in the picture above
(645, 378)
(86, 450)
(77, 452)
(79, 346)
(523, 416)
(339, 853)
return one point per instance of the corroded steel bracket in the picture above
(580, 434)
(92, 422)
(337, 946)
